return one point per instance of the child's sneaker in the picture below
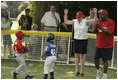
(28, 77)
(14, 75)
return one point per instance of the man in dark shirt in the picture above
(26, 20)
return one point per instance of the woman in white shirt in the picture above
(80, 37)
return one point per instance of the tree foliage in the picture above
(15, 7)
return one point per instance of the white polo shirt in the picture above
(80, 29)
(49, 20)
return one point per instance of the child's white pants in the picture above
(22, 64)
(49, 64)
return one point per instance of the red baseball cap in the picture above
(103, 11)
(79, 14)
(19, 33)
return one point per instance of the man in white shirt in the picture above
(50, 20)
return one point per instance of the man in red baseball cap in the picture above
(103, 14)
(104, 29)
(19, 51)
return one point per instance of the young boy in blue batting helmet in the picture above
(50, 53)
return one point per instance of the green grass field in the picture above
(61, 71)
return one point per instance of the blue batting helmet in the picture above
(50, 37)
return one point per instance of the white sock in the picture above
(104, 74)
(98, 70)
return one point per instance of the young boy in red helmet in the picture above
(19, 54)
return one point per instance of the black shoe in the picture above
(28, 77)
(76, 74)
(14, 75)
(82, 74)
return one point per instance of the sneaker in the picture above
(28, 77)
(14, 75)
(77, 73)
(82, 74)
(98, 75)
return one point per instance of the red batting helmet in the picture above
(19, 33)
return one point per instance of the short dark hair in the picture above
(52, 5)
(27, 9)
